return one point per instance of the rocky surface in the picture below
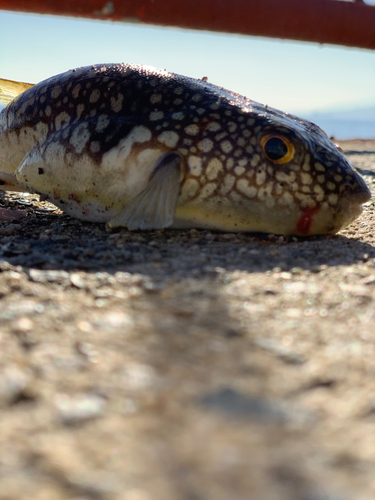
(186, 365)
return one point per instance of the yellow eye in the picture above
(277, 148)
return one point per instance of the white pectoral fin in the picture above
(154, 207)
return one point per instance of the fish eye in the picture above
(277, 148)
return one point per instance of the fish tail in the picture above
(10, 89)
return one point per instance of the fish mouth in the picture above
(325, 219)
(348, 209)
(351, 204)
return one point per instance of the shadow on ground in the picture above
(54, 241)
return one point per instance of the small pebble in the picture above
(79, 408)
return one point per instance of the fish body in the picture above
(142, 148)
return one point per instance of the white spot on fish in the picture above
(244, 187)
(260, 177)
(227, 184)
(195, 165)
(169, 138)
(155, 98)
(80, 110)
(178, 116)
(213, 126)
(62, 118)
(79, 137)
(76, 90)
(283, 176)
(205, 145)
(208, 190)
(306, 165)
(286, 199)
(95, 95)
(102, 123)
(255, 160)
(41, 131)
(319, 167)
(21, 111)
(56, 92)
(156, 115)
(192, 129)
(306, 178)
(243, 162)
(239, 170)
(189, 189)
(226, 146)
(332, 199)
(139, 134)
(218, 137)
(310, 203)
(230, 163)
(116, 104)
(213, 168)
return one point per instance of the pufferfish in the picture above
(142, 148)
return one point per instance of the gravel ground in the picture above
(186, 365)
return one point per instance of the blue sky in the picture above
(295, 77)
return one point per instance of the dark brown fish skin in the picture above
(199, 120)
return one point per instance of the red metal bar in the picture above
(323, 21)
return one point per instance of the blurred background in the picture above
(331, 85)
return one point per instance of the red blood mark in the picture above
(306, 219)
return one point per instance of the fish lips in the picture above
(352, 203)
(348, 208)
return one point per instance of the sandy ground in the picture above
(186, 365)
